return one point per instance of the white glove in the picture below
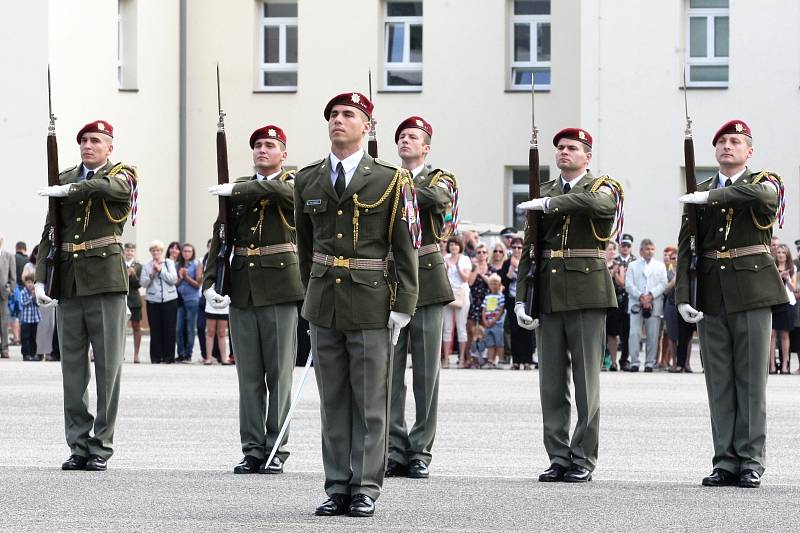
(217, 301)
(224, 189)
(699, 197)
(523, 319)
(537, 204)
(42, 299)
(397, 321)
(690, 314)
(56, 191)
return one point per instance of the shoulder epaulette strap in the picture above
(70, 169)
(764, 174)
(441, 174)
(385, 164)
(287, 175)
(127, 170)
(705, 181)
(315, 163)
(243, 179)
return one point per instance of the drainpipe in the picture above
(182, 123)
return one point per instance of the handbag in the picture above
(458, 298)
(790, 295)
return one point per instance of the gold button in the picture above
(430, 265)
(252, 246)
(252, 264)
(556, 209)
(338, 280)
(587, 269)
(104, 254)
(315, 209)
(80, 203)
(723, 211)
(558, 235)
(77, 236)
(78, 219)
(366, 210)
(722, 248)
(553, 271)
(341, 257)
(374, 282)
(338, 235)
(722, 267)
(755, 266)
(281, 263)
(720, 229)
(339, 212)
(255, 209)
(74, 255)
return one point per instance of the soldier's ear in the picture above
(110, 148)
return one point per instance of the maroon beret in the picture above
(357, 100)
(268, 132)
(414, 122)
(732, 126)
(96, 126)
(575, 134)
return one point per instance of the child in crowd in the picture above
(493, 317)
(477, 350)
(29, 320)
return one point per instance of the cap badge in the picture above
(355, 98)
(581, 135)
(420, 124)
(739, 127)
(272, 133)
(101, 126)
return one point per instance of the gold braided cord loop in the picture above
(357, 205)
(769, 176)
(117, 169)
(608, 181)
(452, 183)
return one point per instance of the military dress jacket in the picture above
(572, 283)
(94, 208)
(731, 220)
(134, 298)
(260, 214)
(347, 298)
(433, 200)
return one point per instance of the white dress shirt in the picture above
(259, 177)
(723, 178)
(350, 163)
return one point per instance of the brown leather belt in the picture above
(427, 249)
(89, 245)
(266, 250)
(756, 249)
(577, 252)
(343, 262)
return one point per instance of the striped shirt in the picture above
(30, 310)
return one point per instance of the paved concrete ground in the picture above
(177, 440)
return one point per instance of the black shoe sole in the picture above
(361, 514)
(414, 475)
(72, 468)
(573, 480)
(243, 473)
(95, 468)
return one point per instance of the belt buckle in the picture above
(556, 253)
(79, 247)
(724, 255)
(253, 251)
(341, 262)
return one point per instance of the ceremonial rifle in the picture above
(691, 209)
(221, 283)
(372, 144)
(534, 217)
(52, 286)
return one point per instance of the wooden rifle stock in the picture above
(534, 222)
(52, 286)
(222, 281)
(691, 213)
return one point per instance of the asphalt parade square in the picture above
(177, 441)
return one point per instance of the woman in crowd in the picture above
(478, 285)
(174, 251)
(498, 257)
(670, 338)
(190, 276)
(459, 269)
(612, 315)
(159, 278)
(522, 340)
(783, 315)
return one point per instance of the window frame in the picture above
(282, 23)
(710, 14)
(406, 65)
(533, 22)
(520, 188)
(127, 44)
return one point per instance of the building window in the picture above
(701, 174)
(530, 44)
(278, 46)
(708, 37)
(402, 67)
(126, 45)
(519, 193)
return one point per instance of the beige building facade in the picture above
(614, 68)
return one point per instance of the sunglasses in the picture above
(481, 252)
(498, 251)
(517, 247)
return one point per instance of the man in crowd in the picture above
(348, 220)
(134, 269)
(410, 451)
(264, 290)
(508, 234)
(8, 282)
(21, 257)
(574, 291)
(737, 284)
(623, 261)
(645, 283)
(95, 200)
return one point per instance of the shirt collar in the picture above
(85, 171)
(723, 178)
(349, 163)
(572, 183)
(260, 177)
(415, 171)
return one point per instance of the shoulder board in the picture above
(242, 179)
(70, 169)
(550, 183)
(755, 177)
(385, 164)
(314, 164)
(287, 175)
(123, 171)
(707, 181)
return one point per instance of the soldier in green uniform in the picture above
(574, 291)
(265, 288)
(737, 284)
(96, 200)
(134, 298)
(352, 212)
(410, 451)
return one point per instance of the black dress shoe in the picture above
(361, 505)
(337, 504)
(417, 469)
(96, 463)
(648, 369)
(274, 467)
(720, 478)
(749, 479)
(74, 462)
(633, 369)
(248, 465)
(552, 474)
(395, 469)
(577, 474)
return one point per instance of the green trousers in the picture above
(99, 321)
(352, 370)
(265, 343)
(423, 336)
(735, 350)
(571, 340)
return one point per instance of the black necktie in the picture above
(340, 180)
(728, 182)
(567, 188)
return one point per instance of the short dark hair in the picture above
(457, 241)
(21, 245)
